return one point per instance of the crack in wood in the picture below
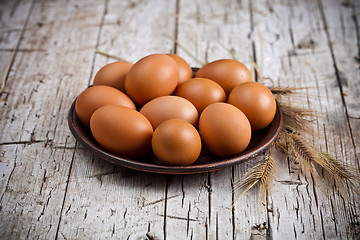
(209, 196)
(113, 230)
(314, 190)
(165, 206)
(188, 219)
(333, 214)
(28, 233)
(9, 178)
(85, 215)
(278, 219)
(23, 142)
(206, 230)
(217, 226)
(322, 225)
(124, 217)
(232, 202)
(182, 191)
(41, 213)
(23, 50)
(65, 194)
(67, 211)
(295, 234)
(44, 180)
(291, 182)
(112, 212)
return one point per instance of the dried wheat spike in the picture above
(261, 173)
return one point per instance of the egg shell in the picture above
(228, 73)
(113, 75)
(224, 129)
(164, 108)
(122, 131)
(201, 92)
(176, 142)
(95, 97)
(256, 101)
(185, 71)
(151, 77)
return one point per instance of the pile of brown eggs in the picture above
(156, 105)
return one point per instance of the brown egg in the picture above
(224, 129)
(164, 108)
(176, 142)
(185, 72)
(113, 75)
(257, 103)
(201, 92)
(151, 77)
(95, 97)
(122, 131)
(227, 73)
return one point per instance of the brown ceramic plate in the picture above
(260, 141)
(207, 161)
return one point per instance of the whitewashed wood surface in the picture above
(53, 188)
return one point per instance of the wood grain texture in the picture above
(134, 203)
(53, 188)
(210, 30)
(303, 58)
(13, 21)
(37, 147)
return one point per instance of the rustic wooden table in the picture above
(53, 188)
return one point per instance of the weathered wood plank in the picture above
(343, 31)
(13, 16)
(120, 203)
(297, 53)
(36, 147)
(131, 32)
(25, 109)
(345, 49)
(209, 31)
(107, 201)
(32, 195)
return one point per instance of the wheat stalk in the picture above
(297, 119)
(109, 55)
(186, 50)
(261, 173)
(304, 153)
(281, 91)
(231, 51)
